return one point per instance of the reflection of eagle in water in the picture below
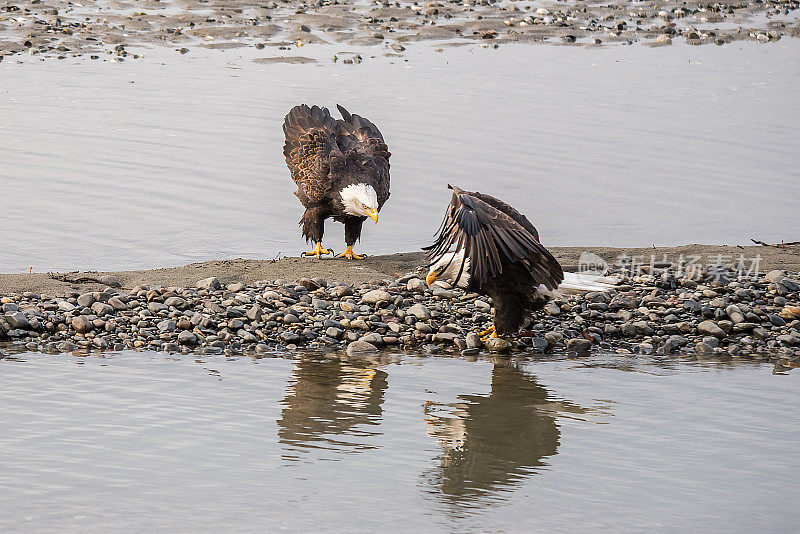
(329, 398)
(490, 442)
(341, 168)
(497, 253)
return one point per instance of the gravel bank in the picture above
(121, 30)
(661, 308)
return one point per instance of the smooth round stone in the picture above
(360, 349)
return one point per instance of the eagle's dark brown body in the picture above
(505, 259)
(325, 155)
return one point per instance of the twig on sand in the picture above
(790, 244)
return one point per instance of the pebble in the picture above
(376, 295)
(361, 349)
(660, 313)
(579, 346)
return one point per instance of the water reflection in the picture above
(492, 442)
(331, 404)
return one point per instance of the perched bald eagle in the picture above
(341, 168)
(496, 253)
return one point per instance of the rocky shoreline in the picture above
(658, 309)
(120, 30)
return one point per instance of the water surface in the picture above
(173, 159)
(146, 442)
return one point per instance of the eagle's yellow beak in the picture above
(374, 216)
(431, 278)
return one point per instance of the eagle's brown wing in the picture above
(310, 142)
(490, 238)
(359, 139)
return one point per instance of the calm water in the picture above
(144, 442)
(176, 158)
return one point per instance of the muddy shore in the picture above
(378, 268)
(122, 30)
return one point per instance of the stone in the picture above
(416, 285)
(235, 287)
(551, 308)
(17, 320)
(289, 337)
(175, 302)
(117, 304)
(361, 349)
(208, 283)
(444, 337)
(774, 275)
(102, 309)
(333, 332)
(497, 344)
(167, 325)
(643, 328)
(255, 313)
(710, 328)
(373, 338)
(579, 346)
(66, 306)
(627, 300)
(539, 344)
(82, 324)
(110, 280)
(735, 313)
(554, 338)
(473, 340)
(187, 338)
(443, 293)
(340, 291)
(86, 300)
(290, 319)
(703, 348)
(419, 311)
(375, 296)
(67, 346)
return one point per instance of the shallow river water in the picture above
(145, 442)
(172, 159)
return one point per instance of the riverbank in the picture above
(659, 305)
(383, 267)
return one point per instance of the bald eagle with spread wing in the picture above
(486, 246)
(341, 168)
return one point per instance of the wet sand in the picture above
(384, 267)
(124, 30)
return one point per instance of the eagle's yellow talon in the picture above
(490, 336)
(318, 251)
(349, 254)
(488, 331)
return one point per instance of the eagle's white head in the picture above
(447, 268)
(360, 200)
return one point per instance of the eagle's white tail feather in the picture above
(575, 282)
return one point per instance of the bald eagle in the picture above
(497, 253)
(341, 168)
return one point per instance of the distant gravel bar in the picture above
(662, 307)
(118, 30)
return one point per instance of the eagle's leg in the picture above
(318, 251)
(352, 233)
(313, 222)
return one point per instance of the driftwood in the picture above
(790, 244)
(79, 280)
